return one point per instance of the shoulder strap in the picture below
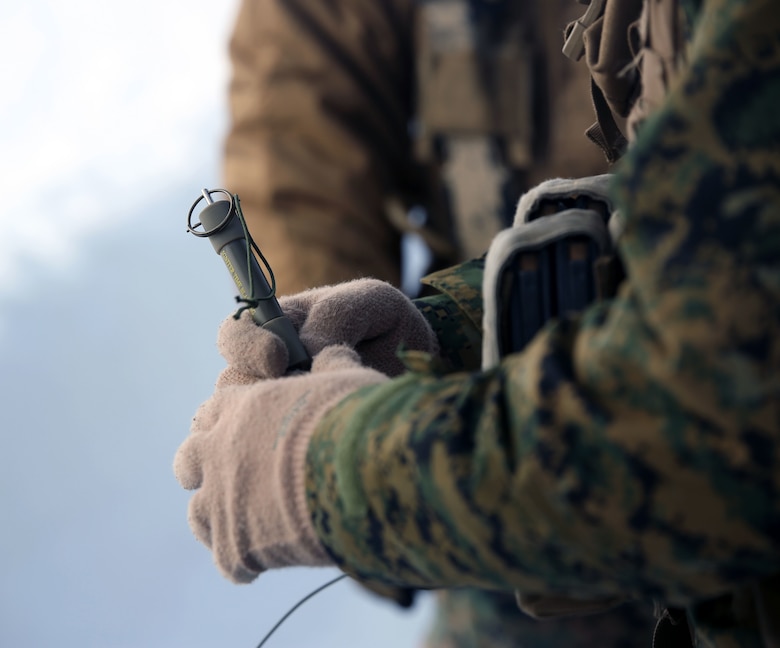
(661, 51)
(602, 37)
(605, 132)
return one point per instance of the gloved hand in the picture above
(369, 315)
(247, 449)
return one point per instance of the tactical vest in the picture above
(497, 109)
(475, 74)
(559, 256)
(634, 50)
(474, 117)
(557, 259)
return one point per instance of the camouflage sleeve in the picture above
(455, 314)
(632, 450)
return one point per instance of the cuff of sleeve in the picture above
(310, 550)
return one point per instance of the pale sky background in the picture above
(103, 104)
(112, 120)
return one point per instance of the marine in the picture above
(627, 453)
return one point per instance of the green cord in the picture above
(251, 302)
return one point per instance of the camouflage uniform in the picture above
(319, 151)
(631, 450)
(476, 619)
(472, 618)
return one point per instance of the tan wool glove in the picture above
(371, 316)
(247, 449)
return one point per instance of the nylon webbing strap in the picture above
(574, 46)
(605, 133)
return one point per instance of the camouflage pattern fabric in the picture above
(478, 619)
(455, 314)
(633, 450)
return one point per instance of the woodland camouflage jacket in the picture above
(632, 450)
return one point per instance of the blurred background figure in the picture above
(361, 127)
(356, 121)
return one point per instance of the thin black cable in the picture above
(297, 605)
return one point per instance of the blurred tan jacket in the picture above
(321, 98)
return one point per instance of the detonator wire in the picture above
(249, 302)
(296, 606)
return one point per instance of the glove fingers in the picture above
(211, 525)
(226, 538)
(334, 358)
(372, 316)
(297, 307)
(231, 376)
(188, 461)
(251, 349)
(199, 518)
(368, 314)
(351, 312)
(187, 464)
